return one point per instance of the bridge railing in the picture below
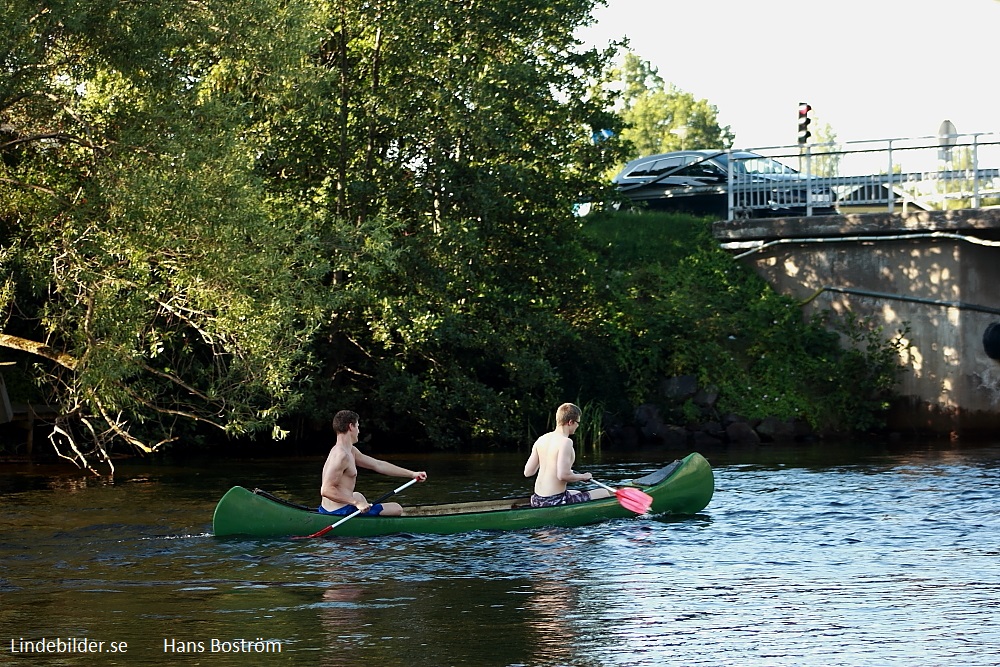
(923, 173)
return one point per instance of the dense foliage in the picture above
(151, 278)
(249, 215)
(679, 305)
(206, 205)
(441, 148)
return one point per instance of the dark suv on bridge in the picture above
(697, 182)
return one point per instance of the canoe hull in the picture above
(687, 489)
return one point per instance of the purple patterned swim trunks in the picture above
(565, 498)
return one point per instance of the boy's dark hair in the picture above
(342, 421)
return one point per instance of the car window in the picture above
(640, 170)
(702, 169)
(762, 165)
(655, 167)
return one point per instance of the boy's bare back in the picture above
(552, 458)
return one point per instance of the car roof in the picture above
(648, 159)
(660, 156)
(701, 154)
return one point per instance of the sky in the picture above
(871, 69)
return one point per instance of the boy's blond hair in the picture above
(567, 413)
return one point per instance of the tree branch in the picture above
(29, 186)
(60, 136)
(39, 349)
(175, 380)
(116, 428)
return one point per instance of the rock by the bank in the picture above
(650, 427)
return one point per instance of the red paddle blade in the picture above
(634, 500)
(318, 533)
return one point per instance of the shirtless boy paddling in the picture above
(340, 472)
(552, 457)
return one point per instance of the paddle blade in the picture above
(324, 531)
(634, 500)
(318, 533)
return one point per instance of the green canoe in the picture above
(683, 487)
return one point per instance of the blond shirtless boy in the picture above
(552, 457)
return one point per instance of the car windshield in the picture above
(751, 163)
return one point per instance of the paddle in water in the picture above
(324, 531)
(634, 500)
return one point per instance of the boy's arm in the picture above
(385, 468)
(531, 466)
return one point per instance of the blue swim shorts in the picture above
(347, 510)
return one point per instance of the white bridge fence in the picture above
(924, 173)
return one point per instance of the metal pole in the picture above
(808, 172)
(729, 182)
(892, 194)
(975, 171)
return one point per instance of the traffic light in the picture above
(804, 121)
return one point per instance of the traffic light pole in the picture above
(804, 153)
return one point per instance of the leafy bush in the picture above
(674, 303)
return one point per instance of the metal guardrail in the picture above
(921, 173)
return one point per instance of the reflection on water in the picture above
(552, 601)
(805, 556)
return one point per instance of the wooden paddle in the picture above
(635, 500)
(324, 531)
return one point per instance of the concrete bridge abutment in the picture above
(935, 275)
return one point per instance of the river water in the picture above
(819, 555)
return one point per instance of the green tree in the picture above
(825, 155)
(660, 118)
(151, 281)
(442, 148)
